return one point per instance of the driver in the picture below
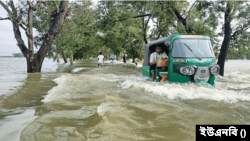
(154, 57)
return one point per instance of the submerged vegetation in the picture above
(79, 30)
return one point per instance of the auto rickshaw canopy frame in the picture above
(165, 43)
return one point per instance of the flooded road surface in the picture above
(116, 103)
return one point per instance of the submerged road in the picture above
(115, 103)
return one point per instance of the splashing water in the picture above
(117, 103)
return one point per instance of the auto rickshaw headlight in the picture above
(215, 69)
(187, 70)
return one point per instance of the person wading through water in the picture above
(100, 59)
(124, 59)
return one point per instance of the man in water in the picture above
(100, 59)
(112, 57)
(154, 57)
(125, 59)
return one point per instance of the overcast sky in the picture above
(8, 43)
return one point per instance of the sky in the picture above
(8, 43)
(7, 39)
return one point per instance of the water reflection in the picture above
(31, 93)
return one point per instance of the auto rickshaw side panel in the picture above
(146, 71)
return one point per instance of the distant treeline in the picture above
(17, 55)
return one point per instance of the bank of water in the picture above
(117, 103)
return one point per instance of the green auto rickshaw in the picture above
(190, 59)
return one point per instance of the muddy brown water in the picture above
(114, 103)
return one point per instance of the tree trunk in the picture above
(183, 20)
(140, 51)
(75, 57)
(64, 58)
(34, 61)
(133, 55)
(16, 29)
(71, 59)
(145, 25)
(34, 64)
(226, 40)
(57, 57)
(119, 56)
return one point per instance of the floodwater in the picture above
(114, 103)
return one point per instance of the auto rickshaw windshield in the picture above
(191, 48)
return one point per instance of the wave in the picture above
(230, 89)
(191, 91)
(55, 92)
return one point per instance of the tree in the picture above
(23, 16)
(119, 27)
(232, 11)
(79, 35)
(123, 23)
(205, 22)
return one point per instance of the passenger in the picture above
(100, 59)
(154, 57)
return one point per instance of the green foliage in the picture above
(119, 26)
(79, 35)
(213, 11)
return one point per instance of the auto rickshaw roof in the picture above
(164, 39)
(150, 47)
(159, 41)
